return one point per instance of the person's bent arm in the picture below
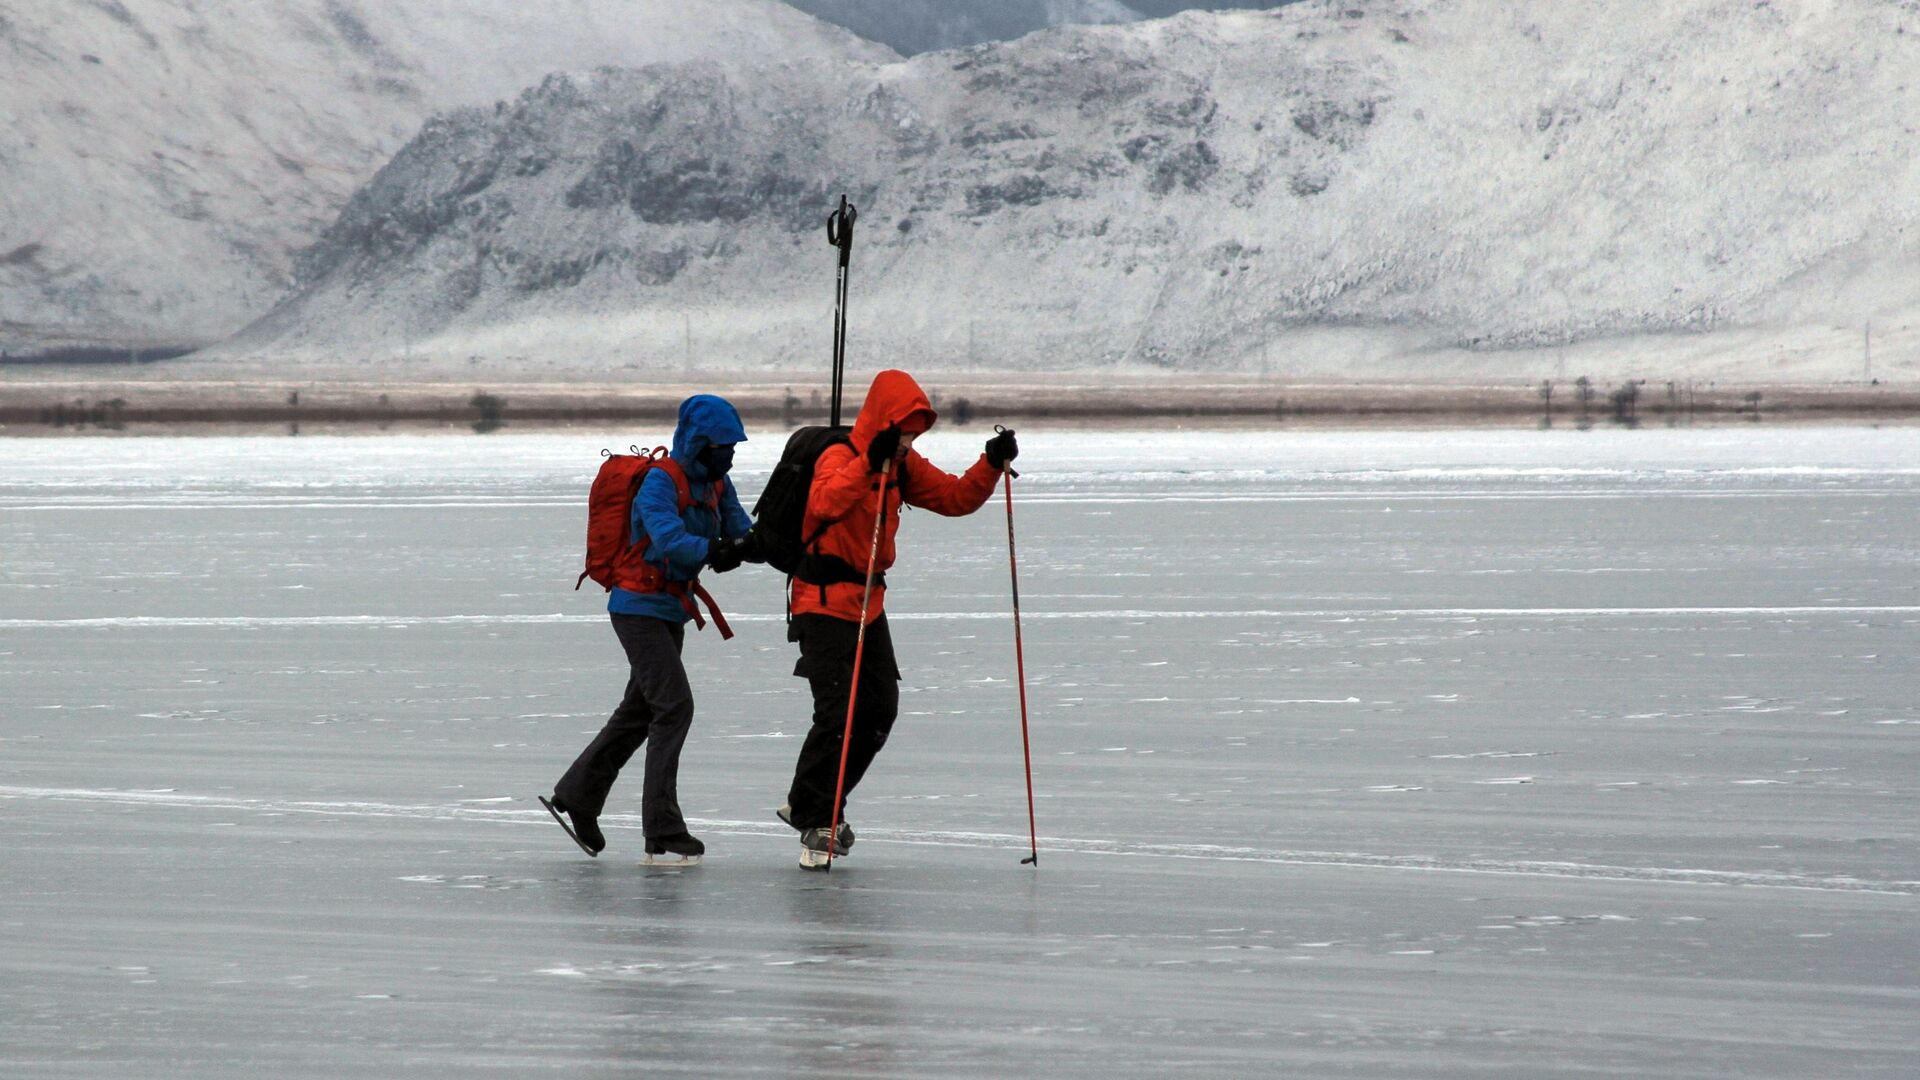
(930, 487)
(734, 522)
(659, 504)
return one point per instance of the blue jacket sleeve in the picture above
(736, 521)
(659, 510)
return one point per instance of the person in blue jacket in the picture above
(658, 706)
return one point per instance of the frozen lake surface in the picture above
(1531, 754)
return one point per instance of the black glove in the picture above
(884, 448)
(749, 547)
(1002, 449)
(724, 555)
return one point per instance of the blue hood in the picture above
(704, 419)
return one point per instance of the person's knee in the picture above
(631, 714)
(880, 701)
(670, 697)
(676, 700)
(669, 724)
(876, 719)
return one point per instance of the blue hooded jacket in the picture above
(680, 541)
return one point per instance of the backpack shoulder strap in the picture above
(681, 486)
(834, 438)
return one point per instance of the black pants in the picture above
(657, 710)
(826, 662)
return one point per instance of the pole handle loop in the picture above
(840, 228)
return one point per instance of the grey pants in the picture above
(657, 710)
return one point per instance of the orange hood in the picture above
(894, 398)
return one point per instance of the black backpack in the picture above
(783, 502)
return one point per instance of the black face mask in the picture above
(716, 460)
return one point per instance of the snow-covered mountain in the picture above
(1325, 187)
(911, 27)
(917, 26)
(162, 160)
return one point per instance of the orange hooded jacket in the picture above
(844, 495)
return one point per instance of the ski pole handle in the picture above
(1001, 429)
(840, 228)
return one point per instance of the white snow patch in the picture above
(159, 191)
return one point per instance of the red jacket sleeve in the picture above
(930, 487)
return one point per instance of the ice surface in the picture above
(1383, 754)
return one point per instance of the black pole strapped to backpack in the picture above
(840, 235)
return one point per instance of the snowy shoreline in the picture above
(39, 405)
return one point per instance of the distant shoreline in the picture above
(47, 405)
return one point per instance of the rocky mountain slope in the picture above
(162, 160)
(1412, 186)
(911, 27)
(916, 26)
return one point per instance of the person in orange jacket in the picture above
(829, 583)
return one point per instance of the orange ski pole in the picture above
(1020, 664)
(859, 651)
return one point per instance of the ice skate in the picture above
(680, 849)
(785, 813)
(813, 845)
(584, 829)
(816, 840)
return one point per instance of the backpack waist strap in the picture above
(648, 578)
(686, 592)
(817, 569)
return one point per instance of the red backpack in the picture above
(611, 561)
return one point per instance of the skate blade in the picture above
(569, 828)
(672, 861)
